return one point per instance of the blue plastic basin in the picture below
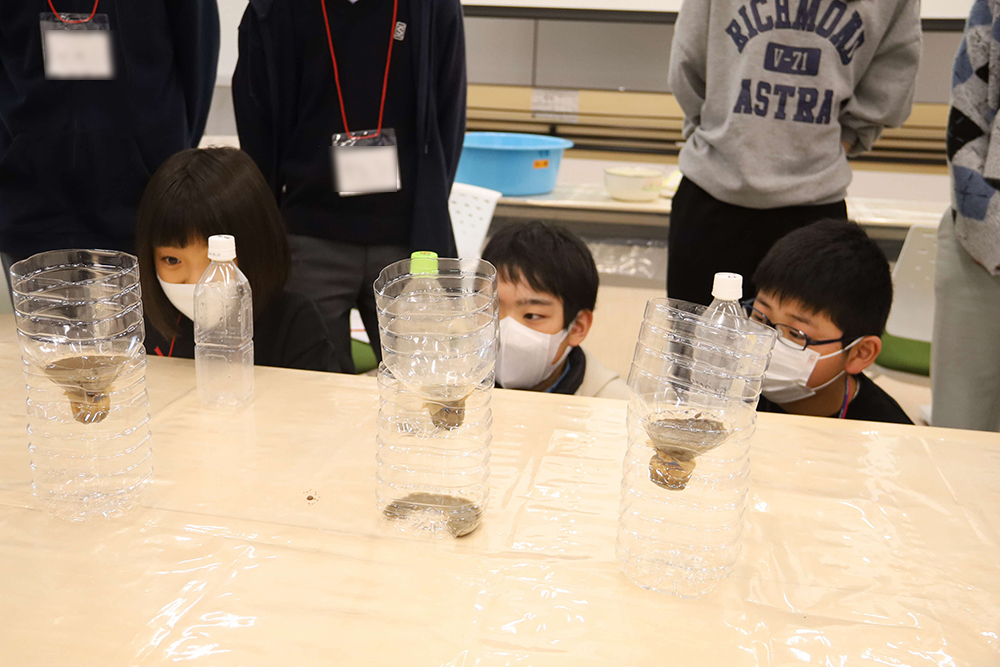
(514, 164)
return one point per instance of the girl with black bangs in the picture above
(196, 194)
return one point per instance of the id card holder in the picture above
(73, 51)
(365, 163)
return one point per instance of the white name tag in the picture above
(366, 164)
(77, 50)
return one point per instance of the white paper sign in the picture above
(556, 104)
(78, 54)
(366, 169)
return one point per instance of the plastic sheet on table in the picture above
(260, 543)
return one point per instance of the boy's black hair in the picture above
(550, 259)
(200, 192)
(833, 268)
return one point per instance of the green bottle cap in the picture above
(423, 261)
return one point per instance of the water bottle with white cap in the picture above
(223, 329)
(725, 310)
(725, 316)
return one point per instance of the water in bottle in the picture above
(223, 329)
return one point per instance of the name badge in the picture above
(77, 50)
(365, 163)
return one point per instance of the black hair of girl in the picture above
(198, 193)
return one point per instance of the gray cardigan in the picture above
(974, 137)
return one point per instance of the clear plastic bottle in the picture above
(433, 461)
(686, 471)
(725, 317)
(438, 323)
(223, 329)
(438, 327)
(725, 309)
(80, 329)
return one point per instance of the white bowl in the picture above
(633, 183)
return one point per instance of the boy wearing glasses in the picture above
(827, 289)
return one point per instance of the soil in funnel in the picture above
(678, 442)
(86, 380)
(448, 415)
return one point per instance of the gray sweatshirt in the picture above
(770, 89)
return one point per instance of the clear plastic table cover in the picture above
(260, 543)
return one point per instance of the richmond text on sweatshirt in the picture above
(771, 88)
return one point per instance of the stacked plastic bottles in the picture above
(438, 327)
(80, 329)
(695, 380)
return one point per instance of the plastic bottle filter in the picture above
(695, 385)
(438, 328)
(80, 330)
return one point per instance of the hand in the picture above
(847, 146)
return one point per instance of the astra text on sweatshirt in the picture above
(773, 89)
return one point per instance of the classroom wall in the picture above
(230, 13)
(624, 56)
(573, 54)
(603, 55)
(934, 9)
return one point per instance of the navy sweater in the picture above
(76, 155)
(279, 68)
(289, 333)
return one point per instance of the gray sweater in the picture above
(771, 88)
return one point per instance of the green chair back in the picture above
(906, 355)
(364, 357)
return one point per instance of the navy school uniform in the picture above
(76, 155)
(287, 109)
(289, 333)
(871, 404)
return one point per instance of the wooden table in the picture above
(864, 542)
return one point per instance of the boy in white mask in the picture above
(547, 284)
(827, 288)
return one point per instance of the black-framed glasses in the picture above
(788, 335)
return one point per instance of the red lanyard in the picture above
(847, 397)
(336, 73)
(86, 20)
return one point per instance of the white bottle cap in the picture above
(728, 287)
(222, 248)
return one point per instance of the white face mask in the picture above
(182, 296)
(787, 377)
(526, 356)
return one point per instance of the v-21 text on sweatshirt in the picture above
(772, 89)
